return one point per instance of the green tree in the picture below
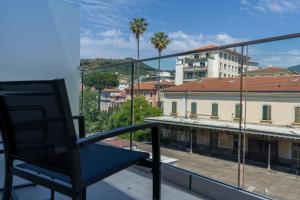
(95, 120)
(138, 26)
(160, 41)
(100, 80)
(121, 116)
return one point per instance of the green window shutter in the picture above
(174, 107)
(297, 115)
(194, 108)
(214, 110)
(237, 110)
(266, 112)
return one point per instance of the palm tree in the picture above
(160, 41)
(138, 26)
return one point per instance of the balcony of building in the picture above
(202, 154)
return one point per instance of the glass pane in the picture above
(270, 95)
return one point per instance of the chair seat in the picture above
(97, 162)
(100, 160)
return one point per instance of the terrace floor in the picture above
(271, 183)
(126, 185)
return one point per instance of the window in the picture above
(225, 56)
(190, 75)
(224, 66)
(296, 151)
(214, 110)
(150, 94)
(266, 113)
(213, 139)
(237, 110)
(196, 56)
(232, 68)
(174, 107)
(297, 114)
(193, 108)
(202, 64)
(225, 75)
(229, 57)
(229, 67)
(221, 55)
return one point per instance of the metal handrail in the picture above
(221, 47)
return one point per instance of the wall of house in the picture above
(282, 105)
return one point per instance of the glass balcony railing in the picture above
(238, 125)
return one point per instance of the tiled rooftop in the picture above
(232, 84)
(151, 85)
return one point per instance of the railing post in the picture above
(82, 88)
(156, 168)
(132, 102)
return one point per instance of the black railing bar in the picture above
(239, 44)
(25, 93)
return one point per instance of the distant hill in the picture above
(103, 64)
(295, 68)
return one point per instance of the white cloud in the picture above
(279, 58)
(272, 6)
(110, 33)
(115, 44)
(103, 14)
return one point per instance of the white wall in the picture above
(40, 39)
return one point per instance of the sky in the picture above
(189, 24)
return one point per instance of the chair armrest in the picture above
(81, 125)
(96, 137)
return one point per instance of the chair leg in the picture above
(156, 184)
(52, 195)
(78, 195)
(84, 194)
(7, 186)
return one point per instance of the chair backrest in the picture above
(36, 121)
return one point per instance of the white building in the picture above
(219, 63)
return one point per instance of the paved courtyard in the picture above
(271, 183)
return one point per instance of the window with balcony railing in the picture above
(297, 115)
(215, 110)
(266, 113)
(193, 108)
(237, 111)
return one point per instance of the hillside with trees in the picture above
(108, 65)
(295, 68)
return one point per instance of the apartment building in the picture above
(218, 63)
(111, 97)
(204, 114)
(149, 90)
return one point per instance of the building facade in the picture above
(205, 114)
(149, 90)
(111, 97)
(218, 63)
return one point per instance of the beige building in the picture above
(204, 114)
(211, 63)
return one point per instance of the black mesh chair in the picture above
(38, 129)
